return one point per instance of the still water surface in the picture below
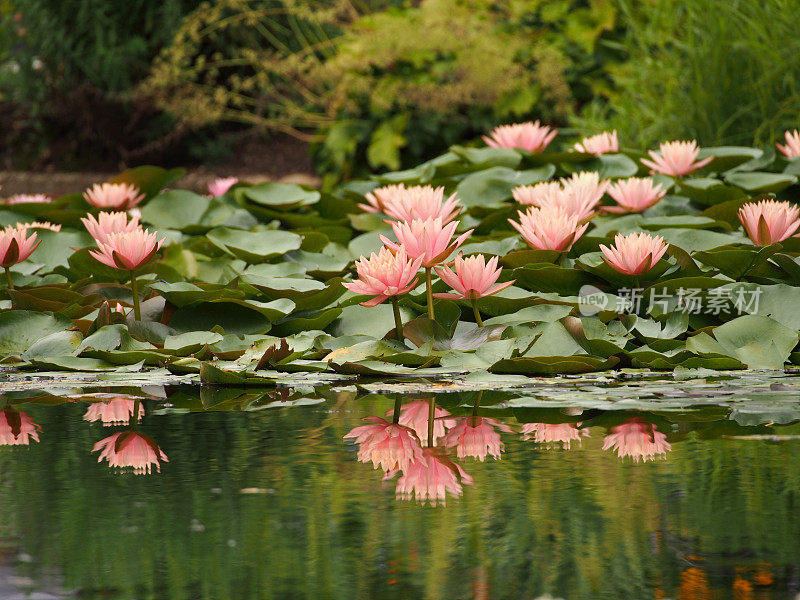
(261, 496)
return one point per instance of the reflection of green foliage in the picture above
(317, 524)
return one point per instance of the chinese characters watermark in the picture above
(693, 301)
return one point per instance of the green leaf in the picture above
(521, 258)
(692, 240)
(386, 142)
(237, 317)
(491, 187)
(189, 343)
(20, 329)
(708, 191)
(488, 157)
(543, 277)
(308, 320)
(759, 182)
(56, 247)
(254, 246)
(736, 260)
(553, 365)
(759, 342)
(277, 195)
(181, 210)
(611, 165)
(728, 157)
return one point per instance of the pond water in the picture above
(643, 489)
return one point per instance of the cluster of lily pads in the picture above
(548, 261)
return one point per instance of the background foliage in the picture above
(65, 69)
(384, 85)
(720, 71)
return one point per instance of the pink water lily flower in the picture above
(549, 228)
(477, 437)
(127, 250)
(635, 253)
(384, 275)
(676, 159)
(769, 221)
(792, 147)
(538, 194)
(114, 412)
(17, 428)
(16, 245)
(429, 239)
(29, 199)
(423, 203)
(388, 445)
(582, 193)
(533, 137)
(602, 143)
(634, 195)
(379, 198)
(473, 278)
(415, 415)
(40, 225)
(554, 434)
(117, 196)
(637, 439)
(221, 185)
(109, 222)
(131, 451)
(431, 478)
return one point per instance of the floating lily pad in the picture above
(254, 246)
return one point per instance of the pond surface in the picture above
(601, 489)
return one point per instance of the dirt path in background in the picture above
(281, 159)
(58, 184)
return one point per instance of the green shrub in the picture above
(386, 88)
(65, 68)
(715, 70)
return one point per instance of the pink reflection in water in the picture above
(553, 434)
(17, 428)
(637, 439)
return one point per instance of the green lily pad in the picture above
(278, 195)
(736, 260)
(553, 365)
(728, 157)
(254, 246)
(708, 192)
(20, 329)
(491, 187)
(759, 182)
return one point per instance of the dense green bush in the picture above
(720, 71)
(396, 86)
(408, 83)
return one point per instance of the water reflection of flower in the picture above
(390, 445)
(131, 450)
(128, 450)
(431, 478)
(114, 412)
(17, 428)
(427, 475)
(553, 434)
(477, 437)
(637, 439)
(415, 415)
